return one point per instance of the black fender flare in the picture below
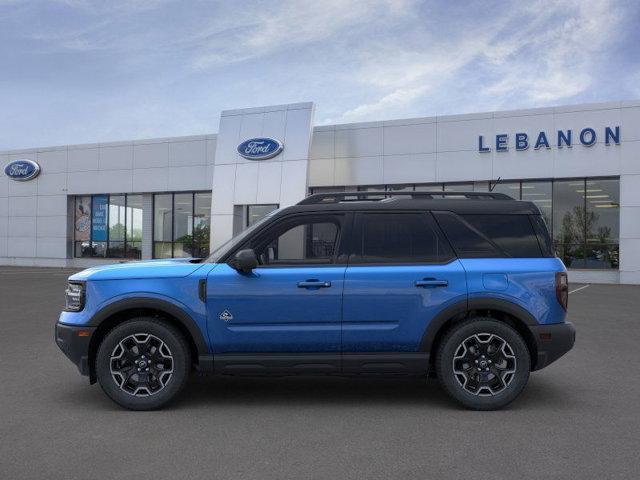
(154, 304)
(462, 308)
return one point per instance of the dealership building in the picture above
(81, 205)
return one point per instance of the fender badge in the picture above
(226, 316)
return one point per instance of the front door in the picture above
(292, 302)
(402, 272)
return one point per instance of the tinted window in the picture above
(298, 242)
(398, 238)
(544, 239)
(514, 234)
(467, 242)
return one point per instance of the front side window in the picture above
(398, 238)
(300, 241)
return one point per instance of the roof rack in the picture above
(338, 197)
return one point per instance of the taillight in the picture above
(562, 289)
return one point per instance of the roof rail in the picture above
(338, 197)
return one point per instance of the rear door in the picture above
(401, 273)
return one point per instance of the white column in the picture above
(279, 180)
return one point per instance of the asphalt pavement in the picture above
(577, 419)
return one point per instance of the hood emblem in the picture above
(226, 316)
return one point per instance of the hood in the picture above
(167, 268)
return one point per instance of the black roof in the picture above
(457, 202)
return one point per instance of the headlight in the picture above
(74, 297)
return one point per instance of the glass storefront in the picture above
(256, 213)
(108, 226)
(583, 215)
(181, 224)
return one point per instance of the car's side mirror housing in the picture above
(245, 260)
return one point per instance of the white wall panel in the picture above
(51, 205)
(150, 180)
(52, 226)
(188, 153)
(358, 171)
(246, 184)
(151, 155)
(22, 227)
(51, 247)
(22, 206)
(21, 246)
(269, 182)
(358, 142)
(463, 166)
(52, 183)
(322, 144)
(52, 161)
(117, 157)
(406, 139)
(409, 168)
(83, 159)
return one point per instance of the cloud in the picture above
(541, 53)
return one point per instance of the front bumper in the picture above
(74, 343)
(552, 342)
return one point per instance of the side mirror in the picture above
(245, 260)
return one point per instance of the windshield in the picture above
(232, 243)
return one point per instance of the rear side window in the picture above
(487, 235)
(466, 241)
(514, 234)
(398, 238)
(544, 239)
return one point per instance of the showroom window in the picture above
(583, 214)
(255, 213)
(108, 226)
(181, 224)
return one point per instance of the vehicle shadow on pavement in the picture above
(410, 391)
(207, 391)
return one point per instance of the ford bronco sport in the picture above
(463, 286)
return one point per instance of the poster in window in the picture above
(83, 219)
(99, 218)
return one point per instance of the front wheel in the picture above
(143, 363)
(484, 364)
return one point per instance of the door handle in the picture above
(314, 284)
(431, 282)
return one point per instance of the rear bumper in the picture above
(74, 343)
(552, 342)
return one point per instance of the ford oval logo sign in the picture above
(22, 170)
(260, 148)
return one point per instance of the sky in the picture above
(80, 71)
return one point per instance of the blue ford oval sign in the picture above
(22, 170)
(260, 148)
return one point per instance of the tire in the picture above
(143, 363)
(482, 363)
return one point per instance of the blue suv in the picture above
(462, 286)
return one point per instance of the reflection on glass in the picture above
(429, 187)
(182, 224)
(255, 213)
(134, 226)
(201, 224)
(116, 222)
(458, 187)
(539, 193)
(568, 212)
(162, 225)
(512, 189)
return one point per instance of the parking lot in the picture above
(579, 418)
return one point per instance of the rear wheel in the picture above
(143, 363)
(483, 364)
